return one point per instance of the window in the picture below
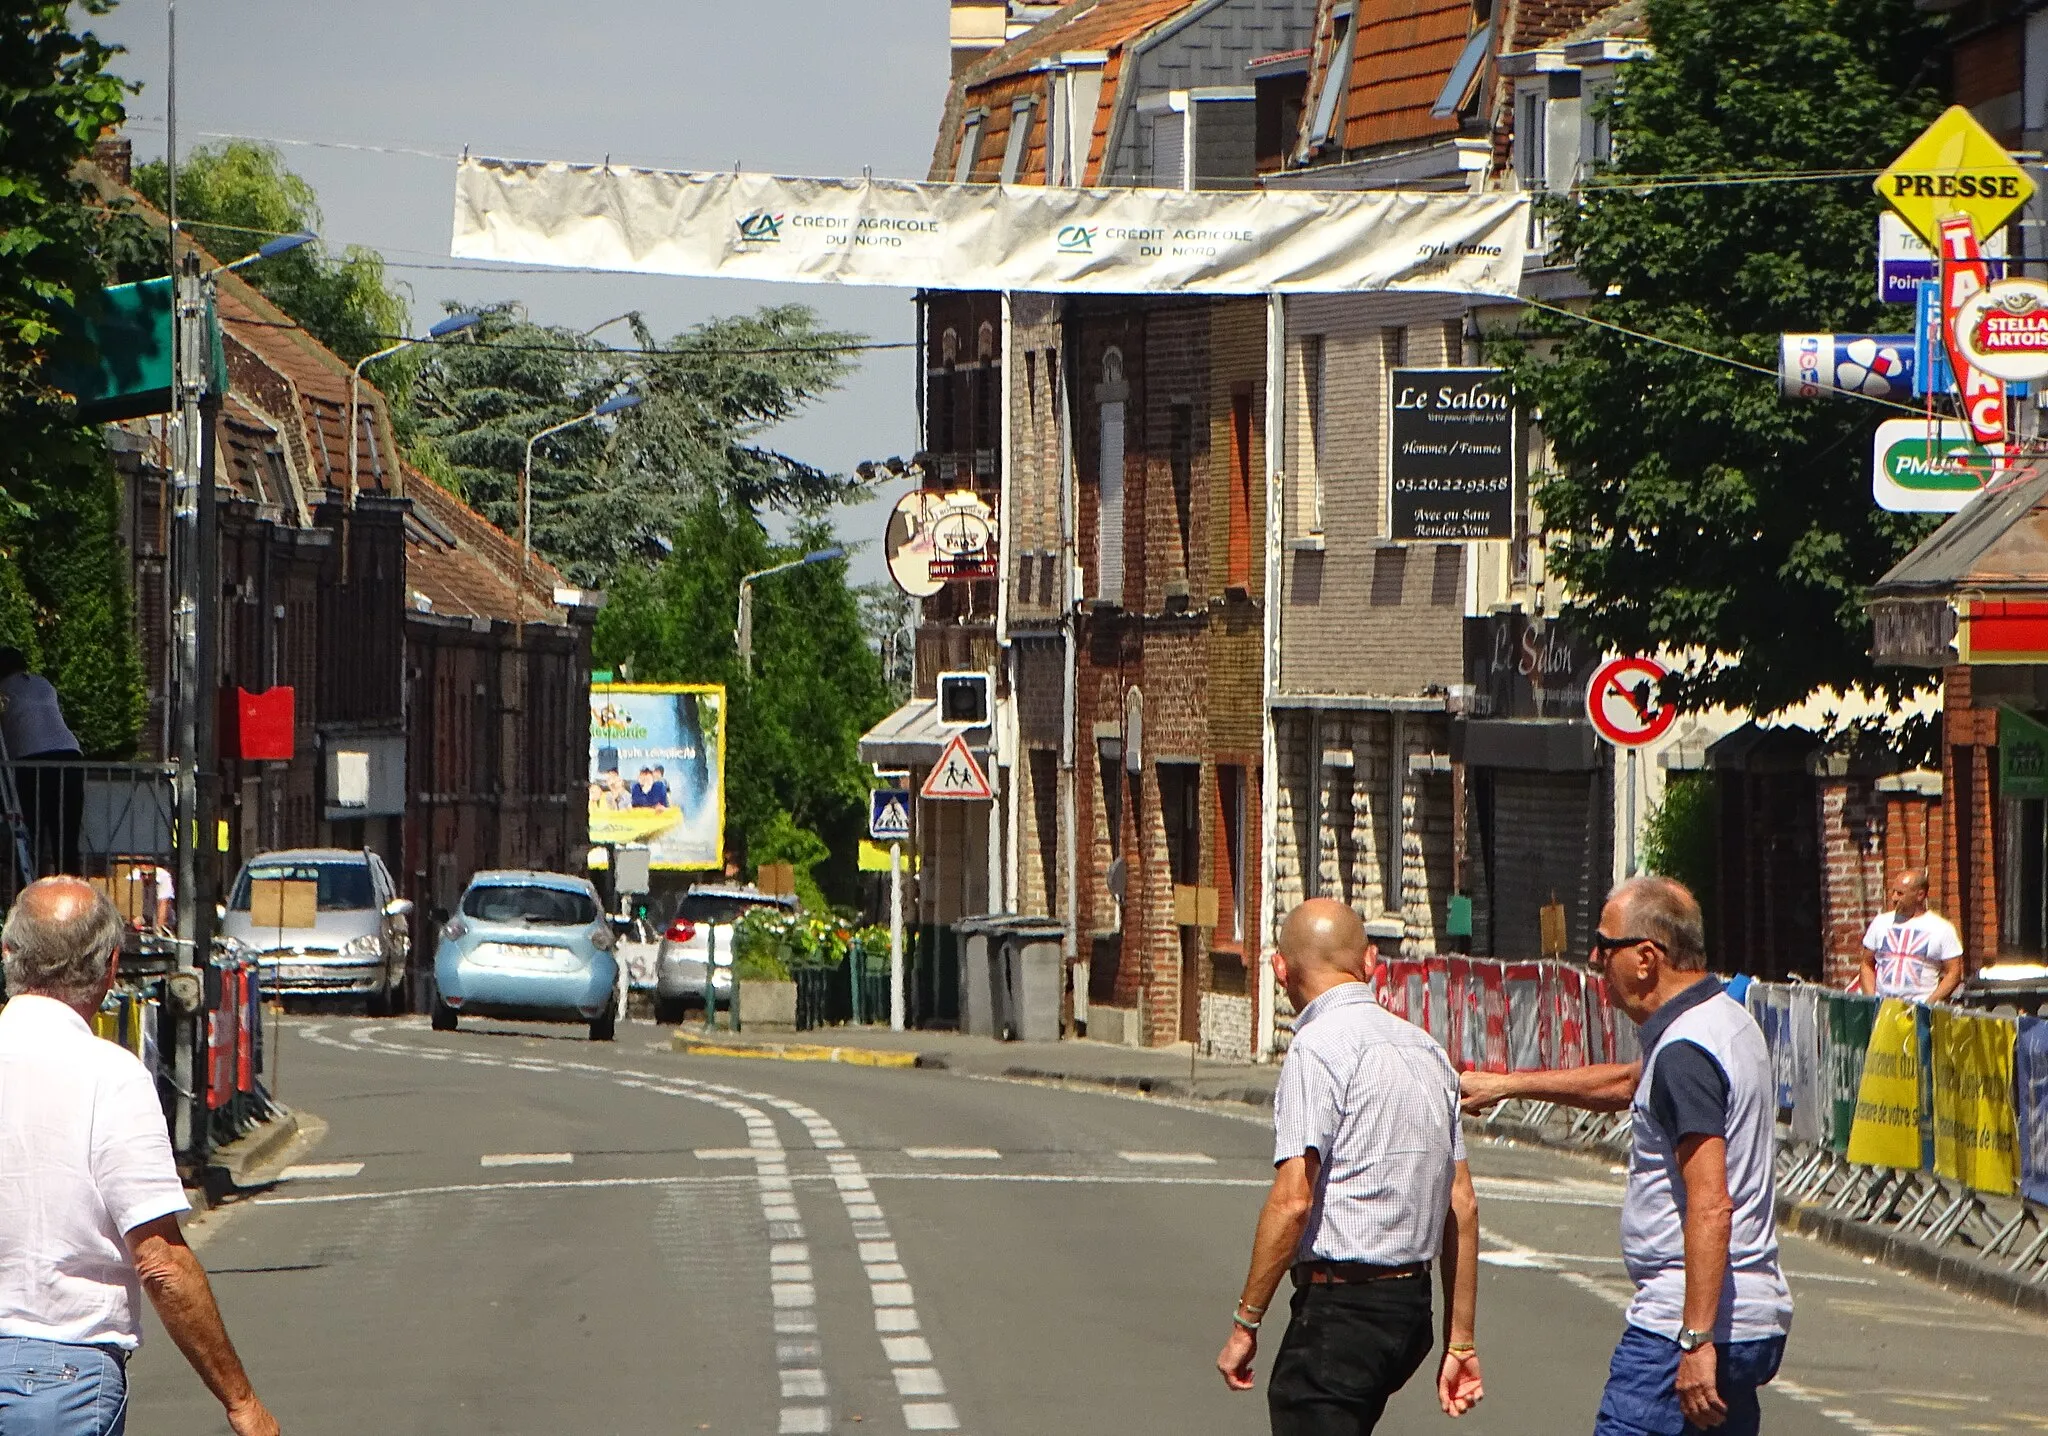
(344, 886)
(541, 906)
(1454, 343)
(1180, 461)
(1458, 84)
(1020, 135)
(1109, 763)
(1531, 138)
(1055, 127)
(1109, 521)
(970, 144)
(1232, 805)
(1599, 138)
(1312, 376)
(1180, 804)
(1238, 574)
(1336, 85)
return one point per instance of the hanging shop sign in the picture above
(907, 546)
(2003, 329)
(1963, 276)
(1012, 237)
(1905, 260)
(1451, 459)
(1918, 467)
(1820, 366)
(1955, 167)
(1622, 702)
(963, 530)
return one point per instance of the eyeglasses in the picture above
(1605, 947)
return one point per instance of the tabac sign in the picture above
(1955, 167)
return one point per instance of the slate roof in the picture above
(459, 565)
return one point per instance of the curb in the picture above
(1176, 1087)
(232, 1164)
(794, 1052)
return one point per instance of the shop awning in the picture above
(913, 737)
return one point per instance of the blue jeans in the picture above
(1641, 1398)
(50, 1389)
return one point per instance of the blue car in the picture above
(528, 945)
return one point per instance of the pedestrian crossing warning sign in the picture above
(888, 815)
(957, 775)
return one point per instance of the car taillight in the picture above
(681, 930)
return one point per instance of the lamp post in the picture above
(743, 631)
(618, 403)
(453, 324)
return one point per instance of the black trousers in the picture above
(1347, 1349)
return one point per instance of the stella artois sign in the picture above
(2003, 330)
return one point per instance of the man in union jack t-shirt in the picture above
(1910, 952)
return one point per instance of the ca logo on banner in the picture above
(761, 227)
(1076, 239)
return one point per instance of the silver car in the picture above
(360, 937)
(700, 934)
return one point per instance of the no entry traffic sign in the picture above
(1622, 702)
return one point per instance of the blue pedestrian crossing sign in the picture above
(889, 815)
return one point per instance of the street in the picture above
(510, 1229)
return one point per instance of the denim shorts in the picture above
(50, 1389)
(1641, 1398)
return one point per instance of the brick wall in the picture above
(1969, 763)
(1852, 834)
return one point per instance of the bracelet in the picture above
(1244, 1305)
(1460, 1348)
(1251, 1326)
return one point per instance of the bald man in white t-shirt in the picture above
(1910, 952)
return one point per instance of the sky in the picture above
(387, 93)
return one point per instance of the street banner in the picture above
(1850, 1019)
(1963, 275)
(657, 771)
(1886, 1131)
(2030, 1094)
(915, 235)
(1524, 987)
(1976, 1133)
(1450, 455)
(1812, 1056)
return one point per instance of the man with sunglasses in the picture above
(1711, 1311)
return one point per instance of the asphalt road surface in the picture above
(510, 1229)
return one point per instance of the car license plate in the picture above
(513, 954)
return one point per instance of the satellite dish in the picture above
(907, 546)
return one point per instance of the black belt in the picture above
(1350, 1273)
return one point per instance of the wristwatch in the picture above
(1690, 1340)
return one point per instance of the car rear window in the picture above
(706, 909)
(508, 902)
(344, 886)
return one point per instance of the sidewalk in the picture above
(1157, 1071)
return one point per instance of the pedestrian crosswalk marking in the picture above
(1169, 1159)
(527, 1159)
(320, 1171)
(953, 1154)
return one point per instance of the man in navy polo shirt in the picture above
(1711, 1311)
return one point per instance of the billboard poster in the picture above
(1451, 465)
(657, 771)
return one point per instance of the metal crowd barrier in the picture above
(1928, 1122)
(110, 823)
(237, 1097)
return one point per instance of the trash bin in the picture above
(1011, 977)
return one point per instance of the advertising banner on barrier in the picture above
(1886, 1129)
(1812, 1057)
(2030, 1094)
(1568, 1003)
(1525, 1017)
(1849, 1023)
(917, 235)
(1976, 1135)
(1493, 1002)
(1461, 1010)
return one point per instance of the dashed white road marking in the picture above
(526, 1159)
(1169, 1159)
(320, 1171)
(720, 1154)
(953, 1154)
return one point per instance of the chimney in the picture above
(115, 155)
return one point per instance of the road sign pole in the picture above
(1629, 865)
(895, 937)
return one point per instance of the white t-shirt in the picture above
(30, 719)
(84, 1157)
(1909, 955)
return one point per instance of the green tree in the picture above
(796, 790)
(1695, 509)
(234, 195)
(63, 581)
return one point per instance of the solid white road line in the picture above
(1169, 1159)
(953, 1154)
(320, 1171)
(526, 1159)
(721, 1154)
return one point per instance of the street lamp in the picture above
(743, 633)
(618, 403)
(453, 324)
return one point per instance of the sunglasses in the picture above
(1605, 947)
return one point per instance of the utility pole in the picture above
(189, 350)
